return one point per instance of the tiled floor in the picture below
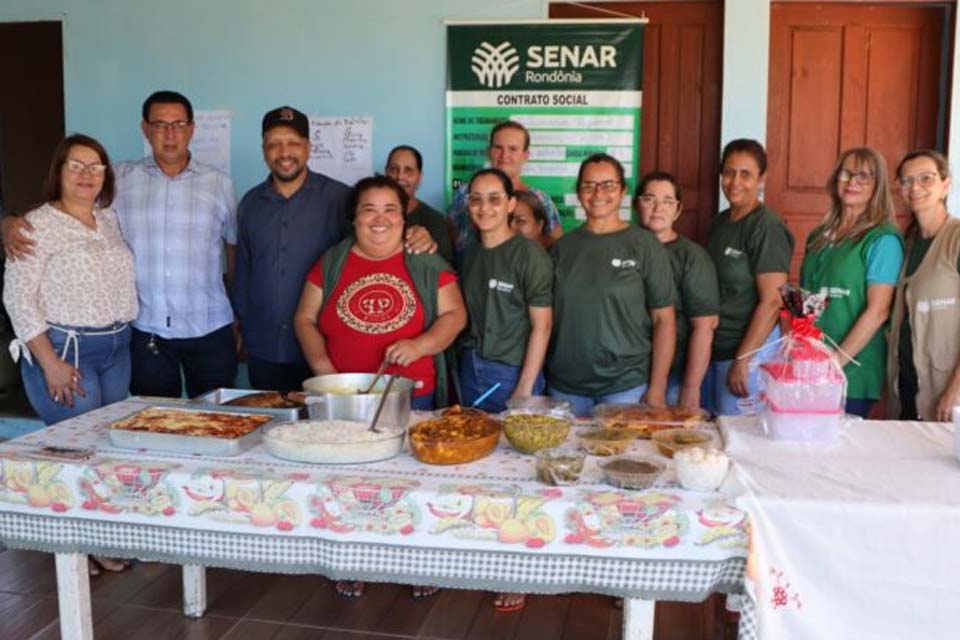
(145, 603)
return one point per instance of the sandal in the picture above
(98, 564)
(349, 590)
(507, 602)
(422, 593)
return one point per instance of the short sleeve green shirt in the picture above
(757, 243)
(697, 292)
(500, 285)
(604, 288)
(436, 223)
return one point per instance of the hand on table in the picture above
(654, 397)
(690, 397)
(949, 399)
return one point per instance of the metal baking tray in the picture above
(223, 395)
(188, 444)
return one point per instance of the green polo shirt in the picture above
(757, 243)
(697, 294)
(604, 288)
(500, 285)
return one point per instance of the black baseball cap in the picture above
(287, 117)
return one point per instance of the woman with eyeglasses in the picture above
(508, 286)
(71, 300)
(923, 361)
(658, 201)
(614, 322)
(750, 246)
(855, 256)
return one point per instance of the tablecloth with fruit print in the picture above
(483, 525)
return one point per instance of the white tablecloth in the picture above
(854, 539)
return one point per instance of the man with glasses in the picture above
(179, 218)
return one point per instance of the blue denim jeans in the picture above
(717, 398)
(674, 386)
(423, 403)
(104, 364)
(479, 374)
(580, 406)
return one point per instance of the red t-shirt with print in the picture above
(373, 305)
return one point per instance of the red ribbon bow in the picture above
(805, 327)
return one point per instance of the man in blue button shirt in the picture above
(286, 223)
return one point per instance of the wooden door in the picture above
(846, 75)
(682, 66)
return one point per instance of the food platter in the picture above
(179, 429)
(226, 397)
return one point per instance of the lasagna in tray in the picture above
(187, 422)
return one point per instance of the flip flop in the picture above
(425, 592)
(513, 606)
(348, 589)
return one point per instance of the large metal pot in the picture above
(336, 397)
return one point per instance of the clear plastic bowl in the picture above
(669, 441)
(530, 430)
(560, 466)
(602, 441)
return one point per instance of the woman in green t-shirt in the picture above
(508, 284)
(854, 256)
(614, 325)
(750, 247)
(659, 204)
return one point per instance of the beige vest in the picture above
(932, 298)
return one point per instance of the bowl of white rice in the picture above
(332, 441)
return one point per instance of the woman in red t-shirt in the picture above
(380, 303)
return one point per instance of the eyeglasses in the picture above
(926, 180)
(650, 200)
(94, 168)
(493, 199)
(861, 177)
(162, 126)
(607, 186)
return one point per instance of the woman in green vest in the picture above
(923, 366)
(854, 257)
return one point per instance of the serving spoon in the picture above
(376, 378)
(383, 401)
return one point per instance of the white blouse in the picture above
(76, 276)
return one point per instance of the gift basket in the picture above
(804, 386)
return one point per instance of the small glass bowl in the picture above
(559, 466)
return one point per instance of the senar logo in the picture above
(495, 66)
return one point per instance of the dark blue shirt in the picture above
(278, 241)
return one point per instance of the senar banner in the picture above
(575, 85)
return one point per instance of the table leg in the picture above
(638, 619)
(73, 596)
(194, 590)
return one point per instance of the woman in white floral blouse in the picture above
(72, 299)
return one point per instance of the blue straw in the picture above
(486, 394)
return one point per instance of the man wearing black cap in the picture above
(286, 223)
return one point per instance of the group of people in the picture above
(116, 284)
